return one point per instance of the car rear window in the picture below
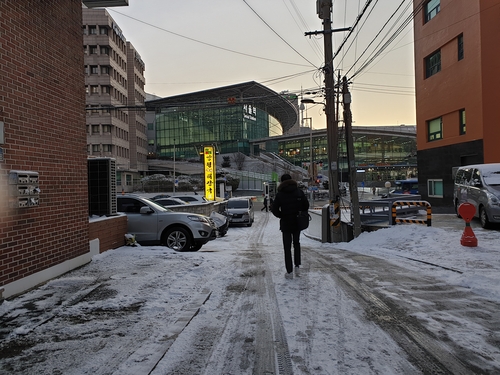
(237, 204)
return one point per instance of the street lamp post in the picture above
(174, 168)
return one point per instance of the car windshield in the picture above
(491, 177)
(237, 204)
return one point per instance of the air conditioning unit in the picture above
(102, 186)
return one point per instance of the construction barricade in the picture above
(404, 206)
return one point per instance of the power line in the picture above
(279, 36)
(208, 44)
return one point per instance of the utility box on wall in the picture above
(23, 189)
(102, 186)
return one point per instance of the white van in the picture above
(479, 185)
(240, 211)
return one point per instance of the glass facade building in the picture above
(228, 117)
(249, 118)
(184, 129)
(382, 152)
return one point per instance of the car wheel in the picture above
(178, 239)
(483, 217)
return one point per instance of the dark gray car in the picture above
(152, 223)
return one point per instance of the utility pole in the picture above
(324, 9)
(353, 186)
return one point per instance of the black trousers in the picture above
(288, 239)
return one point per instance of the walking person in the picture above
(265, 204)
(286, 205)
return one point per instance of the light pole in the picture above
(311, 169)
(174, 168)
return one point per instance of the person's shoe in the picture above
(297, 271)
(289, 275)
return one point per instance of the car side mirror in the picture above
(146, 210)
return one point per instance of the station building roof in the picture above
(253, 93)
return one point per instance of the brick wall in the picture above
(110, 231)
(42, 105)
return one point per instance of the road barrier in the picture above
(401, 204)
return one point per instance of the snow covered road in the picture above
(357, 308)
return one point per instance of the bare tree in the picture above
(239, 160)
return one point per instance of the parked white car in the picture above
(240, 211)
(191, 198)
(152, 223)
(172, 201)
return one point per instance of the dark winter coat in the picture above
(288, 202)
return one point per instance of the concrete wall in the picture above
(110, 231)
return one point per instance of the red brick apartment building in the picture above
(44, 223)
(457, 77)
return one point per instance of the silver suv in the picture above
(479, 185)
(152, 223)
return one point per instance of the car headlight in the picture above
(200, 219)
(493, 199)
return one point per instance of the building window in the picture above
(105, 90)
(103, 30)
(107, 148)
(105, 50)
(92, 30)
(95, 129)
(104, 69)
(435, 188)
(94, 90)
(106, 128)
(435, 129)
(432, 8)
(462, 122)
(93, 50)
(433, 64)
(95, 148)
(94, 69)
(460, 47)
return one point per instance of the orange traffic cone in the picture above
(467, 211)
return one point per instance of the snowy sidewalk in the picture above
(130, 307)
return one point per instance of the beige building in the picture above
(114, 83)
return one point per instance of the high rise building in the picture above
(115, 97)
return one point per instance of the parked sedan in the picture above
(152, 223)
(170, 202)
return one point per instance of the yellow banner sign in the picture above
(210, 180)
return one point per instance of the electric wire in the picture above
(312, 42)
(209, 44)
(279, 36)
(391, 38)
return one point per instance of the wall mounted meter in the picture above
(23, 189)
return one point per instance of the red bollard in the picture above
(467, 211)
